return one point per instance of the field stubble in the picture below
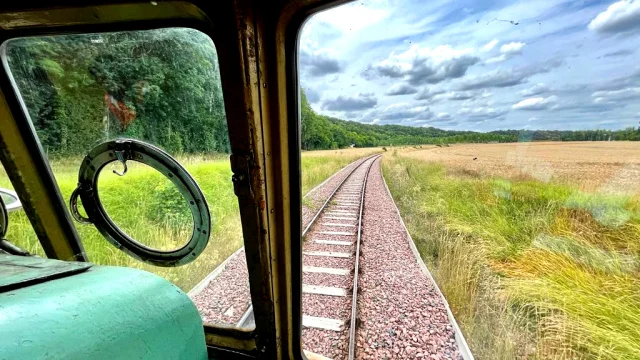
(608, 167)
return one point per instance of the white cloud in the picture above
(419, 65)
(352, 17)
(350, 103)
(457, 95)
(603, 97)
(401, 89)
(621, 16)
(507, 51)
(428, 93)
(512, 48)
(490, 45)
(536, 103)
(443, 116)
(481, 113)
(533, 118)
(562, 53)
(319, 63)
(399, 113)
(496, 59)
(536, 89)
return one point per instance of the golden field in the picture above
(536, 246)
(593, 166)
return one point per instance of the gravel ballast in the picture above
(226, 298)
(331, 343)
(401, 311)
(317, 196)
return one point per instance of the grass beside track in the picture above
(149, 208)
(531, 269)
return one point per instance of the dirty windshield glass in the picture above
(158, 86)
(509, 139)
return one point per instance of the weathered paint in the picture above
(101, 313)
(20, 271)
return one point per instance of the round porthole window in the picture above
(10, 200)
(162, 181)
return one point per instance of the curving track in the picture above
(332, 238)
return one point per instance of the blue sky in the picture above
(476, 65)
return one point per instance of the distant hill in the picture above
(324, 132)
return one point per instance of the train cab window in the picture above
(139, 118)
(15, 227)
(502, 219)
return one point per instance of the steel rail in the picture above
(330, 197)
(247, 318)
(356, 270)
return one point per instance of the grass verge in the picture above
(531, 269)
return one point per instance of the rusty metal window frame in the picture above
(20, 150)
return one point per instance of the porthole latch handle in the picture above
(123, 161)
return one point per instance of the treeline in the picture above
(163, 86)
(324, 132)
(628, 134)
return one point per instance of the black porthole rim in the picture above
(4, 219)
(139, 151)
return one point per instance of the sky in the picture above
(476, 65)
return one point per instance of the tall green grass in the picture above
(148, 207)
(531, 269)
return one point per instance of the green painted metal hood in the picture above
(97, 312)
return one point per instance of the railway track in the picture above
(398, 301)
(334, 233)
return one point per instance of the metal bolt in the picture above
(237, 178)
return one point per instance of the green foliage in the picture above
(168, 78)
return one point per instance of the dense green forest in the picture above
(163, 86)
(160, 85)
